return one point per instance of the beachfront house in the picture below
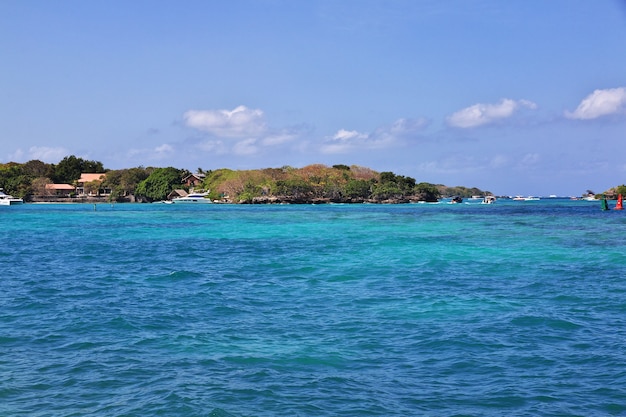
(90, 185)
(176, 194)
(192, 180)
(60, 190)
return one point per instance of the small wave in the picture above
(538, 321)
(218, 412)
(176, 276)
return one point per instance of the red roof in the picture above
(59, 187)
(91, 177)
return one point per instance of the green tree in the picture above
(386, 191)
(358, 189)
(36, 168)
(250, 190)
(427, 192)
(392, 186)
(387, 177)
(38, 186)
(297, 188)
(70, 168)
(124, 182)
(160, 183)
(14, 181)
(93, 187)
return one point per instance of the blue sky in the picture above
(515, 97)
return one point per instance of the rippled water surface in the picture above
(516, 308)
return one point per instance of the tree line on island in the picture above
(315, 183)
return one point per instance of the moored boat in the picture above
(193, 198)
(9, 200)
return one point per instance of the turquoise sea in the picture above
(510, 309)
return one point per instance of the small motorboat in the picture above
(193, 198)
(9, 200)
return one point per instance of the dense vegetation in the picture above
(313, 183)
(316, 183)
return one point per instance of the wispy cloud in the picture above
(344, 140)
(241, 131)
(407, 126)
(164, 149)
(529, 160)
(600, 103)
(278, 137)
(246, 147)
(349, 135)
(237, 123)
(347, 140)
(161, 152)
(42, 153)
(482, 114)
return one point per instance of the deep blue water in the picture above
(516, 308)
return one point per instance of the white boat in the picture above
(9, 200)
(193, 198)
(531, 198)
(489, 199)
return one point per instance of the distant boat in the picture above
(9, 200)
(193, 198)
(489, 199)
(456, 200)
(619, 206)
(529, 198)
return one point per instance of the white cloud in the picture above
(213, 146)
(408, 126)
(348, 135)
(600, 103)
(278, 138)
(343, 141)
(164, 149)
(16, 156)
(346, 140)
(161, 152)
(42, 153)
(237, 123)
(481, 114)
(246, 147)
